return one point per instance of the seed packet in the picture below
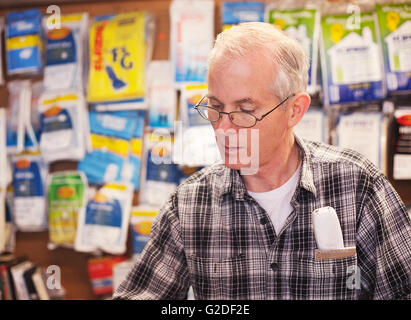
(402, 142)
(190, 96)
(120, 272)
(361, 131)
(160, 176)
(32, 118)
(142, 218)
(191, 39)
(29, 205)
(394, 24)
(195, 142)
(16, 115)
(132, 167)
(24, 42)
(186, 172)
(313, 126)
(25, 99)
(62, 117)
(119, 50)
(9, 229)
(123, 105)
(303, 25)
(351, 59)
(233, 13)
(110, 135)
(100, 272)
(66, 198)
(104, 223)
(65, 53)
(162, 96)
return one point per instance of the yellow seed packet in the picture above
(118, 50)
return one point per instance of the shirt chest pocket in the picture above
(218, 279)
(336, 278)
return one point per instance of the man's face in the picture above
(243, 84)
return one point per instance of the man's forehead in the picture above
(226, 56)
(228, 60)
(249, 69)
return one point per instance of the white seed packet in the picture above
(65, 53)
(62, 116)
(29, 204)
(313, 126)
(32, 118)
(195, 142)
(162, 96)
(16, 115)
(191, 39)
(361, 131)
(159, 175)
(120, 271)
(104, 224)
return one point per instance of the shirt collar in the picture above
(307, 176)
(231, 181)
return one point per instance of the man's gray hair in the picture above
(286, 53)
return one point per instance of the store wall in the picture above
(74, 264)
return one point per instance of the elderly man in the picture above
(233, 234)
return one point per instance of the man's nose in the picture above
(224, 123)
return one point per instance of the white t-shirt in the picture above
(277, 202)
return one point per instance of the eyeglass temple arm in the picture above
(266, 114)
(199, 102)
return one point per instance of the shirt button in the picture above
(274, 266)
(263, 221)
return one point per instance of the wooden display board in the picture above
(73, 264)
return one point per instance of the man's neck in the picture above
(278, 171)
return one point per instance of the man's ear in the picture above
(298, 107)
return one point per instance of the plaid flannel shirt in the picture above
(212, 235)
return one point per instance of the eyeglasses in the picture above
(239, 118)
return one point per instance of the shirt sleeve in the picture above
(384, 244)
(160, 273)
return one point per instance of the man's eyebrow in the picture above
(213, 98)
(240, 101)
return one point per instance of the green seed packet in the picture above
(66, 197)
(302, 25)
(394, 24)
(351, 59)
